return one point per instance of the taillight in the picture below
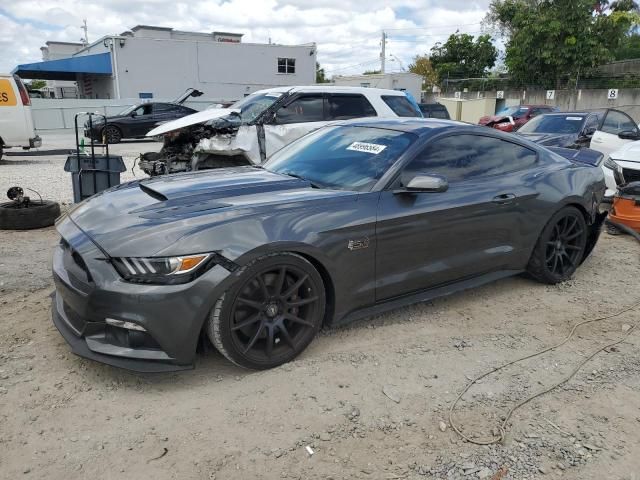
(24, 95)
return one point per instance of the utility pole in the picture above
(383, 52)
(85, 39)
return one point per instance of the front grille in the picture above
(631, 175)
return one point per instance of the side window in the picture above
(342, 107)
(308, 108)
(463, 157)
(163, 107)
(143, 109)
(401, 105)
(616, 122)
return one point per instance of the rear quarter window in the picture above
(401, 106)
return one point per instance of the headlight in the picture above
(162, 270)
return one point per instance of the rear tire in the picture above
(36, 215)
(112, 134)
(560, 248)
(270, 314)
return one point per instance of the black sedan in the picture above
(349, 221)
(134, 121)
(566, 129)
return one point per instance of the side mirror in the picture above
(588, 132)
(426, 183)
(134, 114)
(629, 135)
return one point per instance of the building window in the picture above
(286, 65)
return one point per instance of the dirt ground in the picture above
(368, 399)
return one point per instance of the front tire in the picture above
(560, 248)
(270, 314)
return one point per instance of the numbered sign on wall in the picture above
(612, 94)
(551, 94)
(500, 94)
(457, 95)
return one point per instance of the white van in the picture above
(16, 122)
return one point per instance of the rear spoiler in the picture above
(189, 92)
(584, 155)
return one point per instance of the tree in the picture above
(629, 48)
(422, 66)
(551, 41)
(37, 84)
(320, 76)
(462, 57)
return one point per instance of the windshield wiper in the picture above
(295, 175)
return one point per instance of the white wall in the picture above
(410, 82)
(166, 68)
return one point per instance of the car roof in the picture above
(415, 125)
(582, 113)
(333, 89)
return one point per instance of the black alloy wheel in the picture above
(271, 314)
(112, 134)
(561, 247)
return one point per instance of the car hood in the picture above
(550, 139)
(144, 217)
(193, 119)
(629, 152)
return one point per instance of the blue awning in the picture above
(66, 68)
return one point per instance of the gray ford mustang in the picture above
(349, 221)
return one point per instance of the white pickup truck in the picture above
(16, 122)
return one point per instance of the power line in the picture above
(353, 66)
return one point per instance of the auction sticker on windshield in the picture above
(366, 147)
(575, 119)
(7, 97)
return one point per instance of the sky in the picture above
(347, 32)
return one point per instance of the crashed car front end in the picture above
(213, 138)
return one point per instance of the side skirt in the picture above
(425, 296)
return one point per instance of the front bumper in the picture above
(89, 290)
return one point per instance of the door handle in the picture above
(504, 198)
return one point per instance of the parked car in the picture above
(252, 129)
(603, 130)
(16, 122)
(136, 120)
(354, 219)
(510, 119)
(434, 110)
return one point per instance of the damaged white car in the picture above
(252, 129)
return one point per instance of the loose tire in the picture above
(36, 215)
(270, 314)
(560, 248)
(112, 134)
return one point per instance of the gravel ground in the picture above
(370, 401)
(42, 169)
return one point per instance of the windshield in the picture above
(128, 110)
(253, 105)
(515, 112)
(553, 124)
(342, 157)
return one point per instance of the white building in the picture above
(403, 81)
(159, 62)
(57, 51)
